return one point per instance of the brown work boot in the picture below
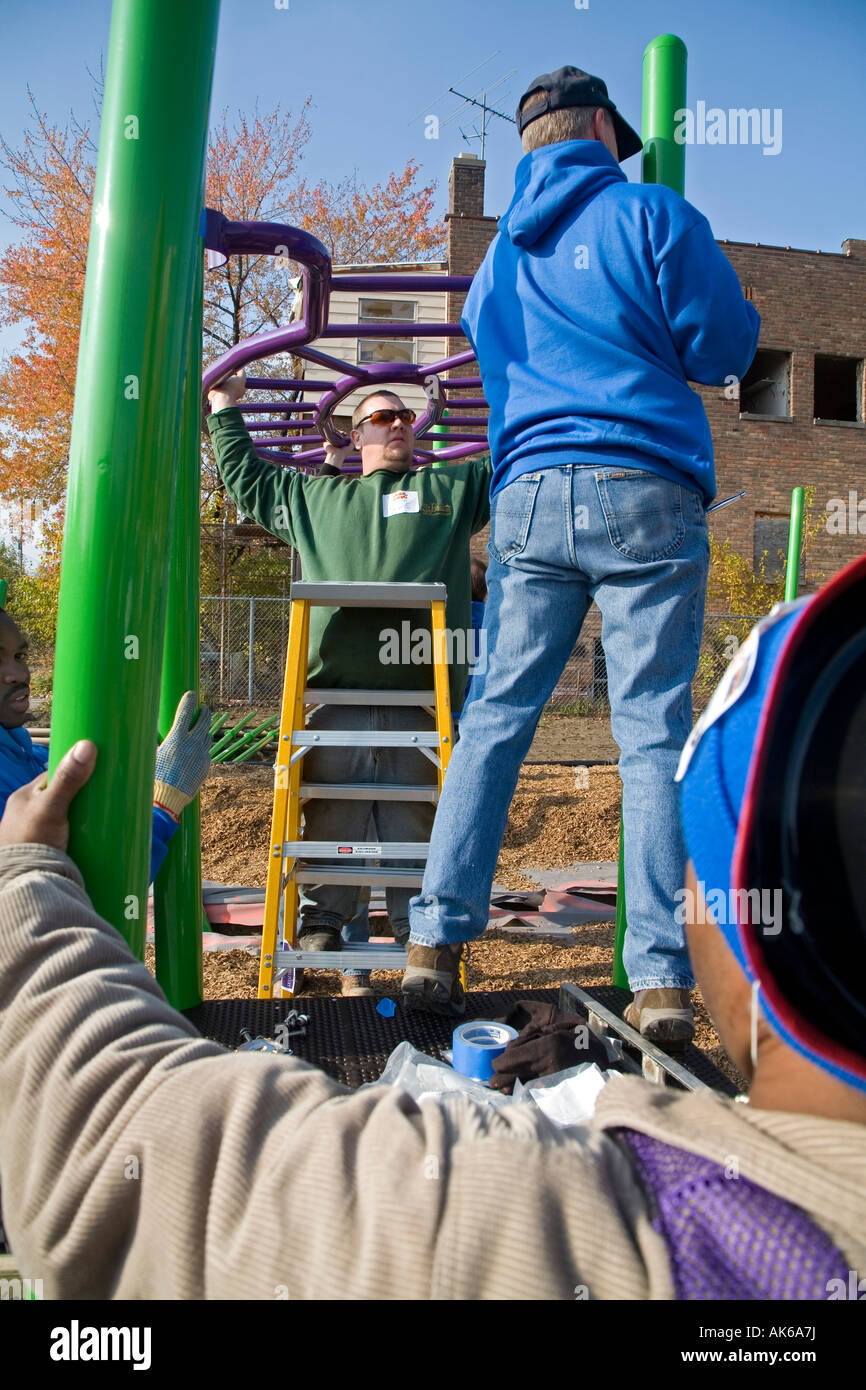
(356, 986)
(663, 1016)
(431, 980)
(320, 939)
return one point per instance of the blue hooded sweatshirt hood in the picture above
(595, 305)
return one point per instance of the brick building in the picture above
(798, 416)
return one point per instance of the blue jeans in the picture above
(638, 545)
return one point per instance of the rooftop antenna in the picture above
(486, 110)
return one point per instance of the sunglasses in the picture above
(387, 417)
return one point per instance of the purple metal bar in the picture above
(282, 383)
(460, 438)
(393, 330)
(267, 344)
(377, 374)
(289, 439)
(398, 280)
(258, 425)
(223, 239)
(323, 359)
(464, 421)
(462, 402)
(459, 359)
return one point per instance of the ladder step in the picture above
(367, 791)
(342, 849)
(363, 738)
(338, 873)
(359, 957)
(357, 595)
(313, 695)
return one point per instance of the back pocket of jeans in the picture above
(643, 513)
(510, 515)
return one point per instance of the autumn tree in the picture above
(740, 591)
(50, 189)
(253, 174)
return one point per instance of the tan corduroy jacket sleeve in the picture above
(138, 1160)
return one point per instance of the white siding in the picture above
(432, 308)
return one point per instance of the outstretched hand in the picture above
(336, 457)
(183, 757)
(38, 813)
(228, 392)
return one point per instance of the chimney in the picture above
(469, 235)
(466, 186)
(852, 247)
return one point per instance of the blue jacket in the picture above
(21, 760)
(595, 305)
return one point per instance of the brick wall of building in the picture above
(810, 303)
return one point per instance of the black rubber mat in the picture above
(351, 1041)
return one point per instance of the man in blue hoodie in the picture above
(595, 305)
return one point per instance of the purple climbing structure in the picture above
(306, 405)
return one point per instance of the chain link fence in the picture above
(582, 687)
(243, 651)
(243, 656)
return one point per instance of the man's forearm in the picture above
(258, 489)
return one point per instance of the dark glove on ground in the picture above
(547, 1041)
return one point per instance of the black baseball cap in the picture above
(573, 87)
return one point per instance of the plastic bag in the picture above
(566, 1097)
(424, 1076)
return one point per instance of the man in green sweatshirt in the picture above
(392, 523)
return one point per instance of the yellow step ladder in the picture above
(291, 860)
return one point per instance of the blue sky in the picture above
(371, 68)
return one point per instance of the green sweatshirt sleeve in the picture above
(483, 476)
(260, 490)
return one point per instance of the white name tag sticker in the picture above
(395, 502)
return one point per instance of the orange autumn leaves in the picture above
(253, 174)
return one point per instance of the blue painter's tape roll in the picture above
(475, 1047)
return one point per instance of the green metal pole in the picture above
(141, 264)
(620, 978)
(795, 534)
(664, 94)
(177, 891)
(664, 161)
(440, 439)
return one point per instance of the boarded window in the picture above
(838, 388)
(771, 545)
(766, 387)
